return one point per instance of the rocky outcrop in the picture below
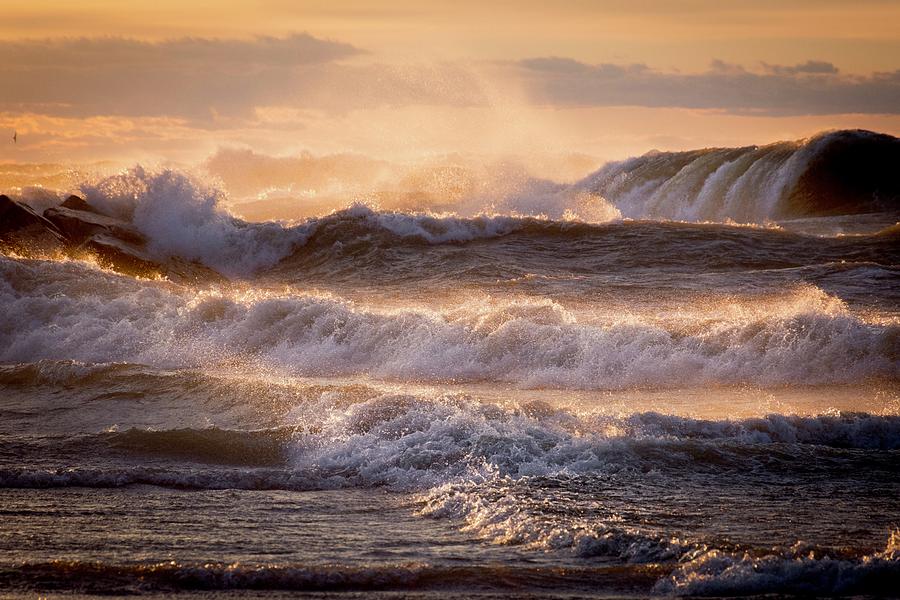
(132, 259)
(24, 231)
(78, 230)
(80, 225)
(119, 255)
(75, 203)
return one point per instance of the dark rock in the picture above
(121, 256)
(132, 259)
(18, 215)
(78, 225)
(23, 230)
(185, 271)
(74, 231)
(73, 202)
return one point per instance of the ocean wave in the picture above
(210, 446)
(702, 573)
(713, 574)
(72, 373)
(183, 218)
(844, 172)
(499, 517)
(358, 239)
(841, 172)
(805, 337)
(799, 571)
(838, 430)
(417, 443)
(179, 478)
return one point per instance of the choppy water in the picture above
(381, 402)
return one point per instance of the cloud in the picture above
(811, 88)
(211, 81)
(811, 67)
(93, 53)
(218, 84)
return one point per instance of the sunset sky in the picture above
(174, 80)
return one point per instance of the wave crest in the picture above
(807, 337)
(841, 172)
(184, 218)
(718, 573)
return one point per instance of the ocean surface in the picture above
(681, 378)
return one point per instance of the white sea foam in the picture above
(492, 469)
(184, 217)
(457, 449)
(69, 311)
(718, 573)
(500, 517)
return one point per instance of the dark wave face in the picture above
(625, 394)
(360, 246)
(839, 173)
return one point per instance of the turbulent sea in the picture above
(682, 377)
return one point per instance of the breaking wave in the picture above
(66, 311)
(797, 571)
(842, 172)
(415, 443)
(184, 218)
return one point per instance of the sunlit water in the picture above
(409, 405)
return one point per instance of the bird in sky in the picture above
(15, 137)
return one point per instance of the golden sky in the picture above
(176, 80)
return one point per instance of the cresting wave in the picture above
(838, 173)
(68, 311)
(843, 172)
(798, 571)
(182, 217)
(452, 442)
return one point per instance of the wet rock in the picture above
(79, 225)
(186, 271)
(77, 230)
(132, 259)
(24, 231)
(74, 202)
(122, 256)
(18, 215)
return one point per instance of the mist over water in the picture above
(676, 375)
